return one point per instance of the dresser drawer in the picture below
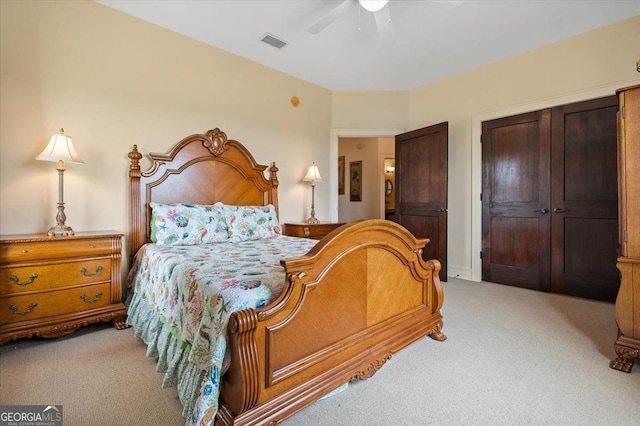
(20, 251)
(20, 279)
(28, 307)
(310, 230)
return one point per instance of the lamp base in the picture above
(313, 220)
(60, 231)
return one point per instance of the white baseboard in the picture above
(457, 272)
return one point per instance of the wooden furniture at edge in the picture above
(50, 287)
(627, 306)
(316, 231)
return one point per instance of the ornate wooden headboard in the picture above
(200, 169)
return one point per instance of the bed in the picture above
(334, 311)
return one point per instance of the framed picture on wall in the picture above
(355, 181)
(341, 175)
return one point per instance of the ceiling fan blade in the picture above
(334, 14)
(384, 24)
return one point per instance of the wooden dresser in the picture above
(316, 231)
(628, 301)
(50, 287)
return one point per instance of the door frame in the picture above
(476, 156)
(344, 132)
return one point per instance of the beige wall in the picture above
(374, 110)
(365, 150)
(112, 80)
(372, 152)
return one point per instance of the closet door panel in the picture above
(515, 200)
(584, 199)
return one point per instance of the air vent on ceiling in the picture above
(274, 41)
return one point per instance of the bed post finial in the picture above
(273, 174)
(134, 156)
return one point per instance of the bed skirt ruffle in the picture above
(172, 354)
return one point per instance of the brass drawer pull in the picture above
(89, 274)
(89, 300)
(17, 281)
(15, 309)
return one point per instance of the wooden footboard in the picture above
(362, 294)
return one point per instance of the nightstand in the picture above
(316, 231)
(50, 287)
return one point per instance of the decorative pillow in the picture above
(215, 225)
(251, 222)
(187, 224)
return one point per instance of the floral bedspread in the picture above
(196, 288)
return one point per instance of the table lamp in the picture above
(313, 176)
(60, 149)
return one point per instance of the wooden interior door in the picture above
(549, 200)
(516, 196)
(584, 200)
(421, 188)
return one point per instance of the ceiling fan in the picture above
(379, 8)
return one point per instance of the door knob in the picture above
(544, 211)
(559, 210)
(441, 210)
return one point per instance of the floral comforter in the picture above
(194, 289)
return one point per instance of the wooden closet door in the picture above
(549, 200)
(584, 200)
(516, 200)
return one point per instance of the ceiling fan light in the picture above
(373, 5)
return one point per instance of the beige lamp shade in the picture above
(60, 148)
(313, 175)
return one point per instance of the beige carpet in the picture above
(513, 356)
